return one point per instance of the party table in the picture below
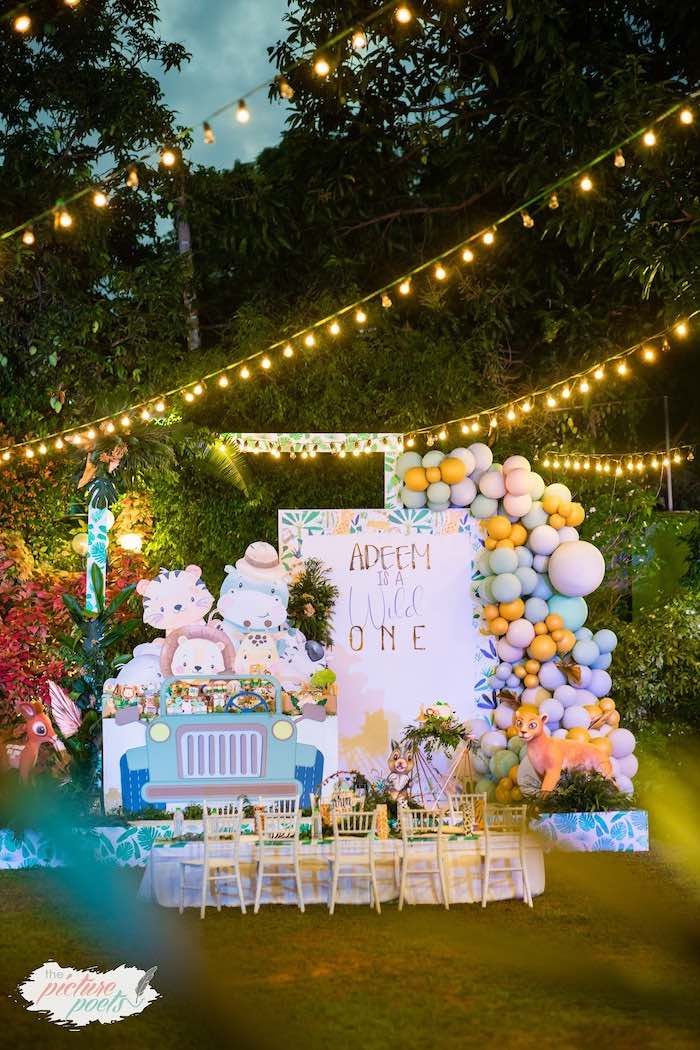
(161, 880)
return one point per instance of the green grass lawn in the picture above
(607, 958)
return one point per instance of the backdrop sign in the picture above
(406, 624)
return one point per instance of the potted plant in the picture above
(588, 812)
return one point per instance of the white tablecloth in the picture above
(161, 880)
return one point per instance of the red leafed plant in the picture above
(32, 616)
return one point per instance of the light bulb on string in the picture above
(403, 14)
(208, 133)
(566, 393)
(285, 88)
(489, 238)
(6, 456)
(475, 428)
(510, 414)
(321, 67)
(109, 427)
(526, 407)
(189, 396)
(63, 220)
(410, 442)
(545, 462)
(288, 350)
(59, 444)
(198, 389)
(29, 453)
(386, 301)
(145, 415)
(528, 221)
(599, 373)
(244, 372)
(598, 466)
(266, 363)
(649, 138)
(132, 177)
(686, 116)
(553, 202)
(160, 406)
(606, 468)
(618, 471)
(639, 466)
(28, 237)
(648, 354)
(360, 316)
(242, 112)
(440, 272)
(309, 340)
(619, 160)
(443, 435)
(71, 3)
(222, 381)
(168, 158)
(584, 386)
(654, 463)
(359, 40)
(622, 368)
(551, 401)
(681, 330)
(468, 255)
(334, 328)
(405, 287)
(91, 434)
(676, 458)
(586, 464)
(22, 23)
(586, 184)
(42, 449)
(100, 199)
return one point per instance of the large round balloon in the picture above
(452, 470)
(433, 458)
(492, 484)
(524, 557)
(575, 717)
(543, 588)
(528, 579)
(551, 677)
(623, 742)
(518, 480)
(510, 653)
(537, 515)
(516, 506)
(502, 762)
(483, 456)
(543, 539)
(520, 633)
(494, 740)
(516, 463)
(600, 683)
(573, 611)
(586, 652)
(415, 479)
(556, 491)
(407, 460)
(536, 610)
(605, 640)
(503, 716)
(466, 457)
(483, 507)
(576, 568)
(537, 486)
(553, 709)
(503, 559)
(462, 494)
(413, 500)
(506, 587)
(438, 492)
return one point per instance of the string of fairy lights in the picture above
(328, 329)
(170, 156)
(617, 463)
(560, 393)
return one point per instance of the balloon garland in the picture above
(534, 574)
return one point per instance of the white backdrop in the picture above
(405, 627)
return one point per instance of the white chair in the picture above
(278, 849)
(220, 861)
(505, 828)
(465, 812)
(346, 801)
(422, 836)
(286, 804)
(354, 835)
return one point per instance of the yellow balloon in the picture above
(607, 704)
(498, 527)
(498, 626)
(550, 504)
(512, 610)
(566, 641)
(554, 622)
(507, 542)
(564, 508)
(542, 648)
(433, 474)
(532, 666)
(452, 470)
(490, 543)
(490, 612)
(576, 515)
(415, 479)
(530, 681)
(603, 744)
(557, 521)
(540, 628)
(513, 773)
(516, 794)
(518, 534)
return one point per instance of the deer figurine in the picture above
(37, 730)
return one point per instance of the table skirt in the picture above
(161, 880)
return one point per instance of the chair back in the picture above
(420, 823)
(286, 804)
(467, 810)
(505, 820)
(346, 801)
(278, 827)
(354, 823)
(222, 823)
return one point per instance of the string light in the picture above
(440, 272)
(334, 328)
(619, 160)
(403, 14)
(242, 112)
(649, 354)
(198, 389)
(189, 396)
(100, 199)
(22, 23)
(553, 202)
(528, 221)
(109, 427)
(309, 340)
(223, 381)
(488, 238)
(132, 177)
(360, 316)
(288, 350)
(359, 40)
(622, 369)
(28, 237)
(649, 138)
(584, 386)
(586, 184)
(566, 393)
(386, 301)
(686, 116)
(285, 88)
(208, 133)
(64, 219)
(681, 330)
(160, 405)
(245, 372)
(468, 255)
(321, 67)
(266, 363)
(405, 287)
(168, 158)
(599, 373)
(618, 462)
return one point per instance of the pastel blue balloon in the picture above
(601, 683)
(503, 559)
(483, 507)
(528, 579)
(603, 662)
(513, 682)
(553, 709)
(524, 557)
(573, 611)
(438, 492)
(605, 640)
(566, 695)
(407, 460)
(503, 671)
(583, 633)
(584, 677)
(543, 588)
(536, 611)
(551, 677)
(584, 697)
(537, 515)
(506, 587)
(413, 500)
(540, 562)
(484, 590)
(462, 492)
(586, 652)
(433, 458)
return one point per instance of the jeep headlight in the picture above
(282, 730)
(159, 732)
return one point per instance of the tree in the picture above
(91, 312)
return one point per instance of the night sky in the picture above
(228, 41)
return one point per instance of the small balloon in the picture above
(466, 457)
(463, 493)
(537, 515)
(413, 500)
(483, 507)
(407, 460)
(483, 456)
(433, 458)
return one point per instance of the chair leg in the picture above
(527, 892)
(374, 892)
(485, 881)
(334, 886)
(205, 887)
(258, 888)
(443, 882)
(404, 875)
(297, 875)
(240, 888)
(182, 888)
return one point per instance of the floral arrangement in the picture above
(312, 598)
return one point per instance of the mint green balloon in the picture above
(516, 744)
(502, 762)
(486, 787)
